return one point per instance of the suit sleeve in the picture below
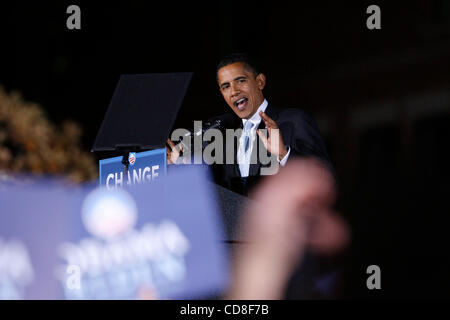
(301, 133)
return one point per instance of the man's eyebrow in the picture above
(240, 78)
(235, 79)
(224, 83)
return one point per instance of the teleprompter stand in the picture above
(141, 114)
(140, 117)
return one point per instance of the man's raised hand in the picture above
(274, 143)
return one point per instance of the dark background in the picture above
(381, 99)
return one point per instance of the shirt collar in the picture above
(256, 118)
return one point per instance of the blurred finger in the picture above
(168, 155)
(180, 147)
(268, 121)
(264, 116)
(171, 144)
(263, 137)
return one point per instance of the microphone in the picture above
(215, 123)
(220, 123)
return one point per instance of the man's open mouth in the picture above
(241, 103)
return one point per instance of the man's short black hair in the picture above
(249, 63)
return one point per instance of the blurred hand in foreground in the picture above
(292, 212)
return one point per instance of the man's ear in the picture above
(261, 81)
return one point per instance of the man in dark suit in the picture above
(288, 132)
(283, 134)
(241, 85)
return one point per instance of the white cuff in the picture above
(284, 160)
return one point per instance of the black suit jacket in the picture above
(299, 132)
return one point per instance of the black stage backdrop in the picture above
(381, 99)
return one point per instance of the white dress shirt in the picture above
(244, 166)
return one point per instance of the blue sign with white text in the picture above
(160, 240)
(143, 167)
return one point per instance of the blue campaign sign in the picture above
(143, 167)
(161, 240)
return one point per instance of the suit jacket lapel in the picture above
(272, 112)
